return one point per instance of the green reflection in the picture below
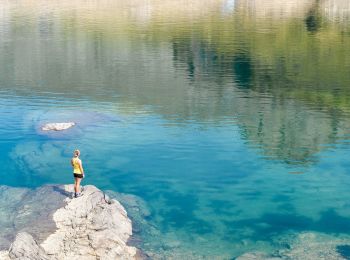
(280, 71)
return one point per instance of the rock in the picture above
(57, 126)
(89, 227)
(29, 210)
(138, 212)
(25, 248)
(305, 246)
(257, 256)
(314, 245)
(34, 214)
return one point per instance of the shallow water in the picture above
(230, 119)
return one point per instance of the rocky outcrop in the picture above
(57, 126)
(89, 227)
(25, 247)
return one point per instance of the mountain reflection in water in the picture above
(211, 112)
(280, 70)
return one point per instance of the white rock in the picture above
(57, 126)
(25, 247)
(4, 255)
(88, 227)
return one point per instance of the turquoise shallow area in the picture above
(233, 129)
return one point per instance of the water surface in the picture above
(230, 119)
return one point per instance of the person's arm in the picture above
(71, 162)
(81, 167)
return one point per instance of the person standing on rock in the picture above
(78, 172)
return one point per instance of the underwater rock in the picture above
(314, 245)
(89, 227)
(256, 256)
(28, 210)
(306, 246)
(57, 126)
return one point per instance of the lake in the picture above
(229, 119)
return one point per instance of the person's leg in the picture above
(78, 184)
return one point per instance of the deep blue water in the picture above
(228, 128)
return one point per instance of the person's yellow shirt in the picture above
(76, 166)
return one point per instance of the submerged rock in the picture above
(29, 210)
(89, 227)
(257, 256)
(57, 126)
(314, 245)
(306, 246)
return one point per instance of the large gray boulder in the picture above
(25, 248)
(89, 227)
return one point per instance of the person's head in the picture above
(76, 153)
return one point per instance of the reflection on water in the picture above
(213, 96)
(291, 55)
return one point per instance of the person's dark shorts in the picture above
(78, 175)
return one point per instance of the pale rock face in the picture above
(25, 247)
(57, 126)
(89, 227)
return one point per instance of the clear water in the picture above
(230, 119)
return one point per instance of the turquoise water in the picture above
(230, 120)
